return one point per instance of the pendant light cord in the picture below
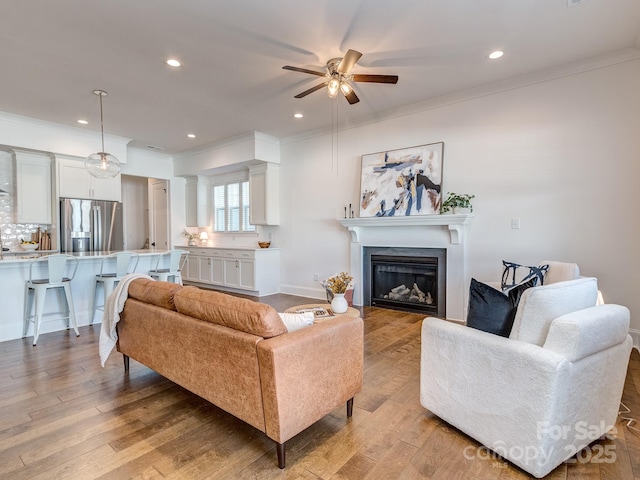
(101, 94)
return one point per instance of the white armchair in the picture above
(541, 395)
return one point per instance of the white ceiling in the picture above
(55, 53)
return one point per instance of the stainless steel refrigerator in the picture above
(90, 225)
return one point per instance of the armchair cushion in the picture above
(492, 311)
(577, 335)
(560, 271)
(539, 306)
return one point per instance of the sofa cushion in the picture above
(514, 274)
(539, 306)
(154, 292)
(492, 311)
(233, 312)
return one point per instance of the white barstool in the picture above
(169, 266)
(36, 291)
(125, 263)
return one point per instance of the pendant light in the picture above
(102, 164)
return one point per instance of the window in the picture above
(231, 207)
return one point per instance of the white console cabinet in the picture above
(74, 181)
(251, 271)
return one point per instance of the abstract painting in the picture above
(402, 182)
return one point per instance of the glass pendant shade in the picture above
(102, 165)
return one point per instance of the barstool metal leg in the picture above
(40, 294)
(92, 300)
(27, 310)
(72, 313)
(62, 301)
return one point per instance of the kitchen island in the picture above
(14, 272)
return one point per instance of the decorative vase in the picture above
(192, 242)
(461, 210)
(339, 303)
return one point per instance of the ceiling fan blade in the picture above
(352, 97)
(358, 77)
(304, 70)
(311, 90)
(348, 61)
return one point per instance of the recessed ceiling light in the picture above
(172, 62)
(83, 122)
(191, 135)
(496, 54)
(298, 115)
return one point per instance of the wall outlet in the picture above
(270, 236)
(515, 223)
(316, 277)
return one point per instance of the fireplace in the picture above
(409, 279)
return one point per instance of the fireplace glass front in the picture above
(412, 282)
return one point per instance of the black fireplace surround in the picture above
(405, 278)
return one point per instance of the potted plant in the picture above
(457, 203)
(192, 237)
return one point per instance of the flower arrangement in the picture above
(457, 200)
(339, 283)
(190, 236)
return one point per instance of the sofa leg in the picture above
(126, 362)
(350, 407)
(281, 454)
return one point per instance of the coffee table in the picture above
(351, 312)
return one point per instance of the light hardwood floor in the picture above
(63, 416)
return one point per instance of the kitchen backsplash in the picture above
(11, 232)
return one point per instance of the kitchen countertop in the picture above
(215, 247)
(23, 256)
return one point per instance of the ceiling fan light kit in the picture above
(338, 77)
(102, 164)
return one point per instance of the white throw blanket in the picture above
(112, 308)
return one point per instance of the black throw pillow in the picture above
(492, 311)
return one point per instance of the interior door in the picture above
(159, 213)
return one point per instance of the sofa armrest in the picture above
(579, 334)
(307, 373)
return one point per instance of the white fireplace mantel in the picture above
(424, 231)
(455, 224)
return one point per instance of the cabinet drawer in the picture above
(198, 252)
(239, 254)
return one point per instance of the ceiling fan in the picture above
(337, 77)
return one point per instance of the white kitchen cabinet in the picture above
(239, 269)
(74, 181)
(264, 191)
(33, 176)
(192, 268)
(197, 202)
(252, 271)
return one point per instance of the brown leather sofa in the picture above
(237, 354)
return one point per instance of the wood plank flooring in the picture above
(62, 416)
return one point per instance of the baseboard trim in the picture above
(317, 293)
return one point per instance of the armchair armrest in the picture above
(307, 373)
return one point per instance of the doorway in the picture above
(159, 213)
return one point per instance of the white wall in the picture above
(561, 155)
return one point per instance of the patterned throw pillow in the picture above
(514, 274)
